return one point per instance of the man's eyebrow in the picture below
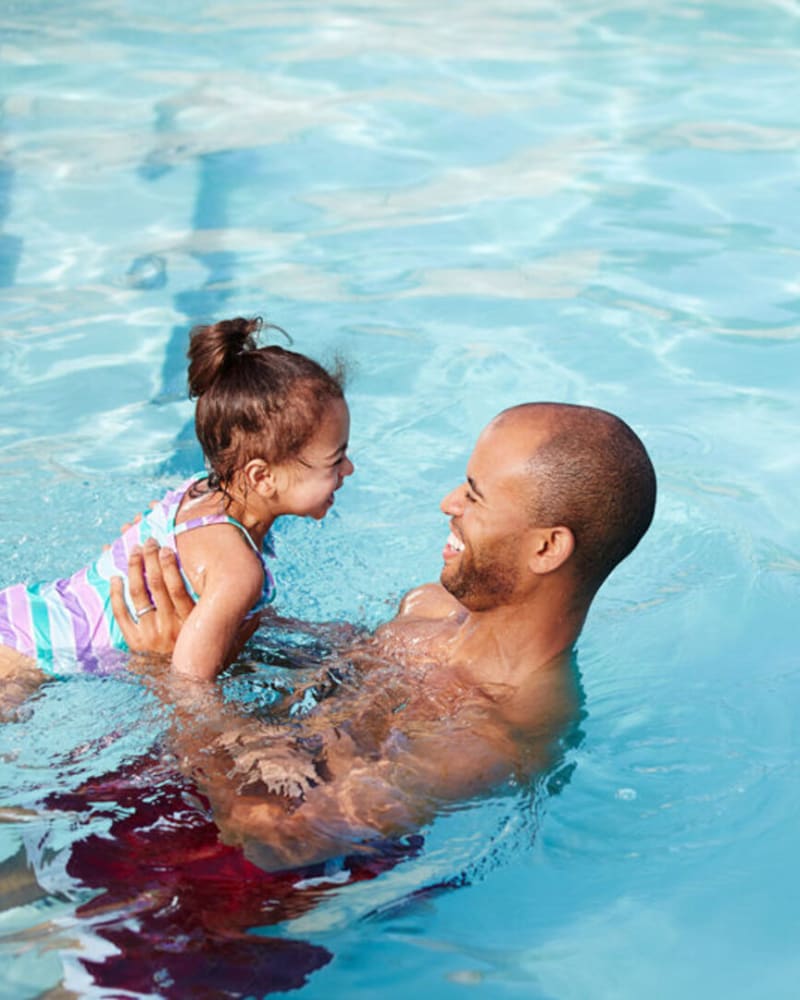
(474, 488)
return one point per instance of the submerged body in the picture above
(163, 907)
(413, 726)
(477, 684)
(471, 684)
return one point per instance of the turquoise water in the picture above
(594, 202)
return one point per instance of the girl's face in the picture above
(319, 470)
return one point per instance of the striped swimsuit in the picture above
(67, 625)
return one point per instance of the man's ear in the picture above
(551, 548)
(259, 476)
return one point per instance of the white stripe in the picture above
(62, 634)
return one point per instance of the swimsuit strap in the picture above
(202, 522)
(267, 547)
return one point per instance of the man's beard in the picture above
(483, 584)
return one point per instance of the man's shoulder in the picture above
(430, 600)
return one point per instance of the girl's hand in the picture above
(158, 594)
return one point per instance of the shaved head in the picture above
(589, 472)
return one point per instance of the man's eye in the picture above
(470, 497)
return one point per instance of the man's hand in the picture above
(155, 582)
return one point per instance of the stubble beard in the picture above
(481, 585)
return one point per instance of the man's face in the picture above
(485, 556)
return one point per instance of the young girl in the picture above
(273, 425)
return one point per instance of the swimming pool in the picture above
(593, 202)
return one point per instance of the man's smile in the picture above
(453, 546)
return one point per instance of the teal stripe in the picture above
(40, 621)
(102, 588)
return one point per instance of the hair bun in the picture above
(240, 333)
(214, 348)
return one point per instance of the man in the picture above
(469, 685)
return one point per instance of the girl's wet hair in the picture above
(253, 402)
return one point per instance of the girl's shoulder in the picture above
(202, 525)
(218, 554)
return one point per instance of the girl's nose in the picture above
(346, 468)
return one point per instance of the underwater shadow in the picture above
(184, 912)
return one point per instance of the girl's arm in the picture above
(201, 637)
(229, 577)
(154, 577)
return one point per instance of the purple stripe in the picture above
(19, 630)
(119, 556)
(206, 519)
(174, 497)
(81, 628)
(6, 634)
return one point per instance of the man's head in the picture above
(552, 490)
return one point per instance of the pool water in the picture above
(593, 202)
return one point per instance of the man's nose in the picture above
(453, 503)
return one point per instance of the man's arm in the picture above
(288, 808)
